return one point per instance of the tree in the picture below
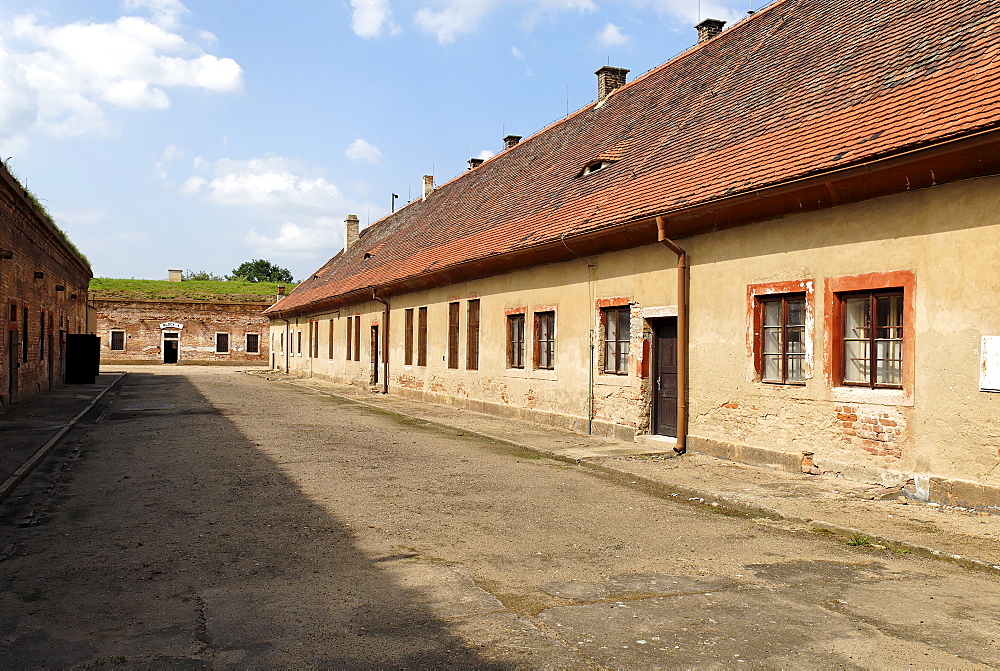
(260, 270)
(201, 275)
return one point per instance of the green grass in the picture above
(201, 290)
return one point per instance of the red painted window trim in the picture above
(755, 317)
(834, 319)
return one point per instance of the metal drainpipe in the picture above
(591, 269)
(682, 334)
(385, 341)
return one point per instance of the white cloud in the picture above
(277, 188)
(612, 36)
(362, 150)
(276, 182)
(693, 11)
(63, 79)
(166, 13)
(168, 156)
(370, 17)
(305, 241)
(517, 53)
(486, 154)
(454, 18)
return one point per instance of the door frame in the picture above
(654, 374)
(163, 344)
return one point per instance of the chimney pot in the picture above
(475, 163)
(510, 141)
(174, 275)
(428, 185)
(281, 290)
(351, 236)
(609, 79)
(708, 29)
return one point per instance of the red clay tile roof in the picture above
(802, 87)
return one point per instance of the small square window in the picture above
(872, 338)
(515, 341)
(782, 340)
(118, 341)
(617, 339)
(253, 343)
(221, 343)
(545, 340)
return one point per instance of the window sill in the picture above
(875, 396)
(529, 374)
(612, 380)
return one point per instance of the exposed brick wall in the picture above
(141, 320)
(45, 280)
(874, 429)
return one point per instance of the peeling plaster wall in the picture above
(942, 241)
(642, 277)
(940, 423)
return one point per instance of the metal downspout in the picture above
(385, 341)
(682, 334)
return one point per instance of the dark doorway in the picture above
(170, 347)
(665, 377)
(12, 357)
(51, 361)
(374, 354)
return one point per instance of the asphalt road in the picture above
(210, 518)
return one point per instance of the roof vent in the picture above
(510, 141)
(609, 79)
(708, 29)
(475, 163)
(428, 185)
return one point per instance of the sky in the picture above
(201, 134)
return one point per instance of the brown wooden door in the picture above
(374, 377)
(665, 378)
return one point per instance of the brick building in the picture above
(43, 283)
(190, 322)
(777, 247)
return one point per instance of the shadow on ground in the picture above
(159, 534)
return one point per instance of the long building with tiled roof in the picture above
(814, 156)
(802, 88)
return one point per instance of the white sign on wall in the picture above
(989, 364)
(171, 325)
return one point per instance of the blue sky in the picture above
(198, 135)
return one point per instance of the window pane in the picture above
(796, 368)
(772, 313)
(623, 324)
(856, 317)
(772, 340)
(796, 312)
(772, 367)
(796, 340)
(856, 355)
(888, 360)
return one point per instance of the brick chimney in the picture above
(708, 29)
(510, 141)
(475, 163)
(174, 275)
(350, 231)
(428, 185)
(609, 79)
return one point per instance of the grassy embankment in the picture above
(199, 290)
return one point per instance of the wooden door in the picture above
(665, 378)
(374, 377)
